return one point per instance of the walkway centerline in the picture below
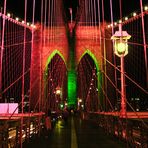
(73, 135)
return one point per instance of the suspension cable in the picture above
(2, 47)
(144, 42)
(127, 77)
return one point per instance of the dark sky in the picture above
(17, 7)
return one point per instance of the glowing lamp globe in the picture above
(80, 100)
(120, 42)
(58, 91)
(121, 48)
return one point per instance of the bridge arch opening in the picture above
(55, 82)
(89, 82)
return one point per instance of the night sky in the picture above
(17, 7)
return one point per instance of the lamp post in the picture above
(58, 93)
(120, 39)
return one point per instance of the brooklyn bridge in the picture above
(83, 64)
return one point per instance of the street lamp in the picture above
(79, 103)
(58, 90)
(120, 39)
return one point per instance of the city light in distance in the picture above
(134, 14)
(126, 18)
(146, 8)
(8, 14)
(17, 19)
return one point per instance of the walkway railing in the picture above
(131, 130)
(10, 130)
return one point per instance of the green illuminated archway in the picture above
(45, 74)
(92, 56)
(51, 56)
(99, 74)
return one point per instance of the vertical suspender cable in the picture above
(92, 13)
(32, 46)
(55, 17)
(111, 13)
(23, 76)
(24, 52)
(95, 12)
(120, 6)
(85, 6)
(54, 14)
(100, 38)
(44, 42)
(95, 21)
(45, 13)
(2, 48)
(48, 19)
(42, 3)
(51, 28)
(112, 22)
(89, 12)
(99, 22)
(86, 15)
(144, 42)
(40, 79)
(104, 55)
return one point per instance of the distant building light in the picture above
(23, 22)
(17, 19)
(126, 18)
(146, 8)
(120, 21)
(134, 14)
(108, 26)
(28, 24)
(8, 14)
(137, 99)
(61, 105)
(115, 23)
(33, 26)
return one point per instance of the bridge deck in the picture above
(76, 133)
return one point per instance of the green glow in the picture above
(72, 80)
(45, 75)
(50, 58)
(99, 73)
(93, 57)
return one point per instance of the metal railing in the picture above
(130, 130)
(10, 130)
